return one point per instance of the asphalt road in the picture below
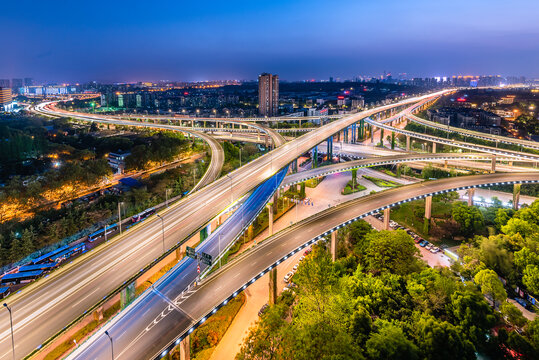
(144, 337)
(476, 134)
(51, 303)
(389, 159)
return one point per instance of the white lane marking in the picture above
(84, 298)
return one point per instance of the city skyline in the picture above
(297, 40)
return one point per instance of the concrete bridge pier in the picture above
(386, 218)
(407, 142)
(185, 348)
(272, 286)
(516, 196)
(333, 246)
(270, 218)
(433, 147)
(471, 193)
(493, 164)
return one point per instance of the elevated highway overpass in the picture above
(50, 304)
(155, 335)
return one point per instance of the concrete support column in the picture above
(407, 142)
(445, 164)
(428, 207)
(185, 348)
(471, 193)
(373, 129)
(516, 196)
(270, 218)
(315, 157)
(434, 148)
(333, 246)
(386, 219)
(272, 286)
(329, 146)
(382, 136)
(493, 164)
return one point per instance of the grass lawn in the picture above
(381, 182)
(411, 214)
(356, 187)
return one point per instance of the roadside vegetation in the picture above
(379, 301)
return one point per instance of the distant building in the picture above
(28, 82)
(16, 84)
(117, 161)
(268, 94)
(6, 100)
(4, 83)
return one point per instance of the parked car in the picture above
(302, 258)
(423, 243)
(295, 268)
(263, 309)
(429, 246)
(288, 276)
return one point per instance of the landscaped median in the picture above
(380, 182)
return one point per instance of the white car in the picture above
(429, 246)
(295, 268)
(288, 276)
(302, 258)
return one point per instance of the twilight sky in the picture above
(298, 39)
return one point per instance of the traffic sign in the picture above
(190, 252)
(205, 258)
(198, 268)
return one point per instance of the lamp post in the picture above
(166, 197)
(120, 203)
(162, 229)
(228, 176)
(11, 323)
(111, 344)
(240, 157)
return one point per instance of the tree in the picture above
(266, 337)
(441, 340)
(390, 343)
(502, 217)
(530, 278)
(392, 251)
(512, 314)
(490, 285)
(495, 256)
(519, 226)
(472, 315)
(469, 218)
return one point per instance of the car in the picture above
(263, 309)
(429, 246)
(401, 228)
(423, 243)
(288, 276)
(302, 258)
(307, 252)
(295, 268)
(416, 240)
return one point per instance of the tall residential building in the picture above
(4, 83)
(28, 82)
(5, 99)
(268, 94)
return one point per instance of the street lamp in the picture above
(11, 323)
(166, 196)
(111, 344)
(162, 229)
(120, 203)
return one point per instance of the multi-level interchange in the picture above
(181, 300)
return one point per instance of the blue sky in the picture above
(197, 40)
